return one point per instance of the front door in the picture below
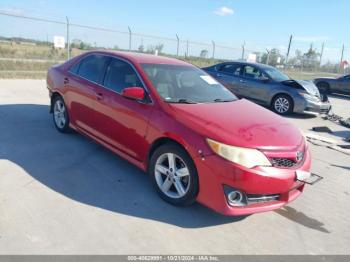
(122, 122)
(252, 86)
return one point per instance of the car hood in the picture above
(239, 123)
(309, 86)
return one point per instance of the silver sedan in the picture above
(269, 87)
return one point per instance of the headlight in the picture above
(247, 157)
(309, 97)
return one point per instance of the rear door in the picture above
(122, 122)
(228, 74)
(82, 81)
(252, 86)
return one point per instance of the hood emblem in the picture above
(299, 156)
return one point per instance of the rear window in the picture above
(92, 67)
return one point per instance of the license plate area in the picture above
(307, 177)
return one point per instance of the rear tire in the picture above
(60, 115)
(282, 104)
(173, 175)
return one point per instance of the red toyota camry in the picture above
(195, 139)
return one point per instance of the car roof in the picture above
(263, 66)
(141, 58)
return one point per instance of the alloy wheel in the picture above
(172, 175)
(281, 105)
(59, 112)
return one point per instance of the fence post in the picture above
(268, 56)
(178, 44)
(68, 41)
(243, 50)
(130, 33)
(213, 49)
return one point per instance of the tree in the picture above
(141, 48)
(204, 53)
(310, 58)
(152, 49)
(275, 57)
(160, 47)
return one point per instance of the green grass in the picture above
(308, 75)
(28, 61)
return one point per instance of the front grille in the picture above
(284, 162)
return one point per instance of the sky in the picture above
(260, 24)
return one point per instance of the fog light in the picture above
(234, 197)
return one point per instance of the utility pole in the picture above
(213, 49)
(243, 50)
(289, 45)
(321, 55)
(129, 38)
(68, 43)
(178, 45)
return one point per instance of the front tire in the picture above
(282, 104)
(174, 175)
(60, 115)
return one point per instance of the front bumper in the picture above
(215, 172)
(318, 107)
(312, 106)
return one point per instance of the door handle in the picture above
(99, 96)
(242, 81)
(66, 81)
(219, 75)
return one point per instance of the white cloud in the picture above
(310, 38)
(12, 10)
(223, 11)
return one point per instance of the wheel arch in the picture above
(167, 140)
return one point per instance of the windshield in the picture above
(276, 75)
(186, 84)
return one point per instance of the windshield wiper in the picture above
(223, 100)
(183, 101)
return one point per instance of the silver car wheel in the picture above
(282, 105)
(172, 175)
(59, 112)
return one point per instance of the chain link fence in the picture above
(25, 56)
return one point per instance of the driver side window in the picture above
(252, 72)
(120, 75)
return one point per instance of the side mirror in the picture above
(136, 93)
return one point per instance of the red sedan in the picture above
(196, 140)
